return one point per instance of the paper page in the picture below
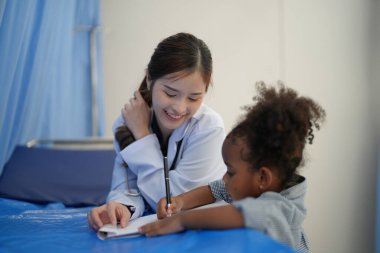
(131, 230)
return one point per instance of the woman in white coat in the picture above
(166, 117)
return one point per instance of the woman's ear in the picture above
(148, 80)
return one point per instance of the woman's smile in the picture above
(175, 116)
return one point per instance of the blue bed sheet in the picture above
(27, 227)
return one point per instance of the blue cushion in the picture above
(72, 177)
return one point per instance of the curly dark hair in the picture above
(277, 127)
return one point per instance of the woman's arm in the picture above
(122, 183)
(223, 217)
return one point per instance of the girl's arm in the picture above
(197, 197)
(223, 217)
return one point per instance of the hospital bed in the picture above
(47, 188)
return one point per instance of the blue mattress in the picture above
(45, 195)
(27, 227)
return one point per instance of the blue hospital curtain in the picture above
(45, 71)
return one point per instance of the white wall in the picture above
(327, 54)
(242, 37)
(321, 48)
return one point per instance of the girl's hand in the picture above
(136, 115)
(162, 227)
(110, 213)
(175, 207)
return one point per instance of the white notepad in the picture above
(131, 230)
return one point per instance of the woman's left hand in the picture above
(136, 116)
(168, 225)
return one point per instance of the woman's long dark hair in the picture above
(182, 52)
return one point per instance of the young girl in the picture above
(262, 154)
(166, 117)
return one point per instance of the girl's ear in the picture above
(266, 178)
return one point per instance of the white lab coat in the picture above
(199, 161)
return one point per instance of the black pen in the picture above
(167, 183)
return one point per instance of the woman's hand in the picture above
(136, 116)
(175, 207)
(112, 212)
(166, 226)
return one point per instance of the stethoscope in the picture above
(130, 192)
